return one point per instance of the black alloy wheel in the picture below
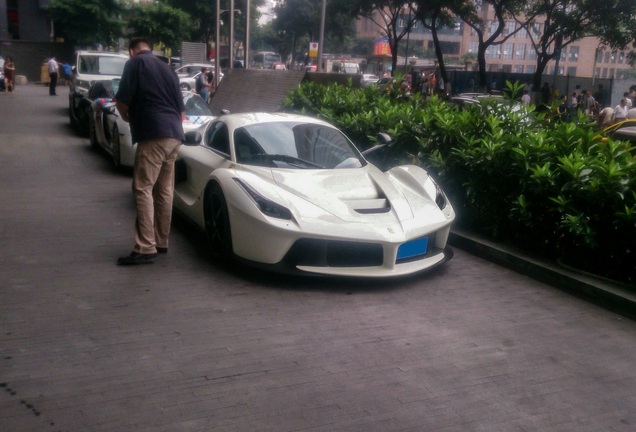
(115, 147)
(217, 222)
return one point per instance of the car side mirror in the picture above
(193, 138)
(383, 139)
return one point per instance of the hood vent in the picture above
(370, 206)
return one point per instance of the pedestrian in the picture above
(628, 100)
(620, 111)
(546, 94)
(9, 75)
(574, 101)
(202, 84)
(53, 69)
(562, 109)
(67, 70)
(149, 99)
(525, 99)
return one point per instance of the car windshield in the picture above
(102, 65)
(115, 85)
(195, 105)
(295, 145)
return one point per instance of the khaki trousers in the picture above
(153, 189)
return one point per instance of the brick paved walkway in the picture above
(188, 345)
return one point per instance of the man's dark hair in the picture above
(137, 42)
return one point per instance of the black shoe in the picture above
(136, 258)
(162, 250)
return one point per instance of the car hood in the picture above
(351, 195)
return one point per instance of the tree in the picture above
(159, 22)
(387, 15)
(203, 16)
(297, 22)
(566, 21)
(87, 22)
(436, 14)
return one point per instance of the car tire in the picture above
(71, 113)
(217, 222)
(92, 133)
(115, 147)
(184, 86)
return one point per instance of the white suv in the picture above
(90, 66)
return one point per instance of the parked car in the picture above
(88, 67)
(190, 68)
(109, 131)
(368, 79)
(292, 193)
(384, 83)
(189, 82)
(624, 130)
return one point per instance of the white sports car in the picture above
(293, 194)
(108, 130)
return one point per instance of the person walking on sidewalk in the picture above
(9, 75)
(53, 69)
(149, 99)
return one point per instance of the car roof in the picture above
(102, 53)
(245, 119)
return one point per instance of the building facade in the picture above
(583, 58)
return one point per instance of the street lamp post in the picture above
(217, 43)
(231, 54)
(246, 49)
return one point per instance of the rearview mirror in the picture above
(193, 138)
(383, 139)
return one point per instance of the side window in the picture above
(218, 139)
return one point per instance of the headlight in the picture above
(266, 206)
(434, 190)
(82, 87)
(440, 198)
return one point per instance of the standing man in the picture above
(53, 68)
(149, 99)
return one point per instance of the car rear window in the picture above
(101, 65)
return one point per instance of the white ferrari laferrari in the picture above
(292, 193)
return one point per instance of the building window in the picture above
(493, 26)
(518, 68)
(474, 47)
(573, 54)
(531, 69)
(510, 27)
(613, 57)
(612, 71)
(522, 34)
(604, 74)
(506, 52)
(572, 71)
(607, 57)
(520, 51)
(621, 57)
(532, 54)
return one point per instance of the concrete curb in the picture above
(614, 296)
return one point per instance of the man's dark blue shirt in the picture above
(150, 88)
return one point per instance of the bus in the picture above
(265, 60)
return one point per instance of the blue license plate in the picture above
(413, 248)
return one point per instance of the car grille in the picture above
(329, 253)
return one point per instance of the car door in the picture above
(199, 162)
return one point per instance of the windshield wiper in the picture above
(290, 160)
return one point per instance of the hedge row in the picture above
(555, 188)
